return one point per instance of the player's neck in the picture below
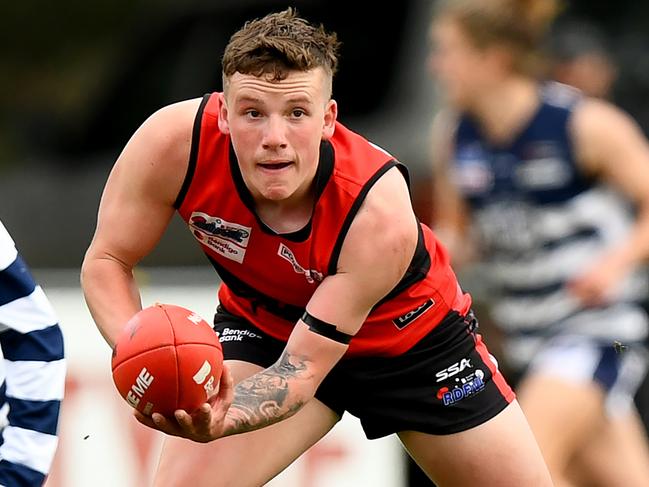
(506, 109)
(289, 215)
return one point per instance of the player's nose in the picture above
(274, 133)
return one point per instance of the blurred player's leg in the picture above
(247, 460)
(562, 415)
(501, 452)
(617, 454)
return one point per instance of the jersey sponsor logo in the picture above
(224, 237)
(543, 173)
(472, 172)
(509, 226)
(454, 369)
(402, 321)
(466, 387)
(233, 335)
(311, 275)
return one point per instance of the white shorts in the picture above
(578, 359)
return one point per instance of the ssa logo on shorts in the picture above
(454, 369)
(227, 238)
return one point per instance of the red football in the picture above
(167, 358)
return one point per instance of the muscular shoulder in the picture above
(169, 130)
(155, 159)
(383, 235)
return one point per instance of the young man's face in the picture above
(276, 129)
(463, 71)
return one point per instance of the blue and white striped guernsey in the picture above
(32, 373)
(541, 222)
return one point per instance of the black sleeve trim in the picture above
(193, 153)
(335, 254)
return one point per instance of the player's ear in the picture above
(224, 126)
(330, 115)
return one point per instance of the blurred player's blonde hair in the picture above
(519, 25)
(278, 43)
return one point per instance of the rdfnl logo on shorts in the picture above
(464, 387)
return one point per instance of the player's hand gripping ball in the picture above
(167, 358)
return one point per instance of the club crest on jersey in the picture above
(311, 275)
(227, 238)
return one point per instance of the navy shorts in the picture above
(446, 383)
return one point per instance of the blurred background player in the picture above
(32, 373)
(535, 181)
(579, 55)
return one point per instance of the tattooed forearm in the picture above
(266, 397)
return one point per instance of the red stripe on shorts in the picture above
(496, 376)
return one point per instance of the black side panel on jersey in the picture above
(193, 152)
(244, 290)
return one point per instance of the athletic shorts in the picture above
(445, 384)
(619, 371)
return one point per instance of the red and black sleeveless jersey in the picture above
(268, 278)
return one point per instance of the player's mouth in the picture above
(274, 165)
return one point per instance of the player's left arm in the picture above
(374, 257)
(611, 146)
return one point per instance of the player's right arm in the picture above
(135, 209)
(450, 213)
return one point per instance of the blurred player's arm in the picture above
(135, 210)
(450, 212)
(32, 373)
(374, 257)
(610, 145)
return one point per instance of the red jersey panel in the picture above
(268, 278)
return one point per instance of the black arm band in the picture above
(325, 329)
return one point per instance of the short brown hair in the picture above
(278, 43)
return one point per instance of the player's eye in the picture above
(253, 113)
(297, 113)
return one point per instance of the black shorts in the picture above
(446, 383)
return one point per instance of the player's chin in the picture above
(277, 192)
